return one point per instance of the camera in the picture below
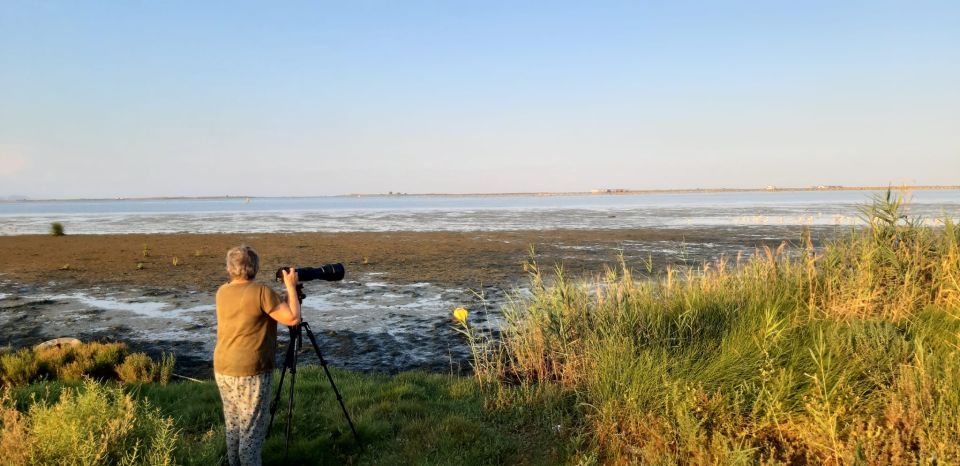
(328, 272)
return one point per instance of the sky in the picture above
(184, 98)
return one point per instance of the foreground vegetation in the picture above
(849, 355)
(77, 362)
(412, 418)
(846, 355)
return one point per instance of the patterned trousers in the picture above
(246, 409)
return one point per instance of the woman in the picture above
(247, 316)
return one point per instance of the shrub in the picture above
(103, 357)
(18, 368)
(51, 360)
(140, 368)
(14, 438)
(73, 371)
(56, 229)
(100, 361)
(72, 363)
(92, 425)
(137, 368)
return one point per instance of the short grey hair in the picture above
(243, 262)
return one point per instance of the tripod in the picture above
(290, 363)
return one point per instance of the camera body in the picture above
(327, 272)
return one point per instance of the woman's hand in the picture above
(290, 278)
(288, 313)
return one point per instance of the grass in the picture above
(849, 355)
(56, 229)
(412, 418)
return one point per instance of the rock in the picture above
(58, 343)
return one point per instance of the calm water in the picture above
(467, 213)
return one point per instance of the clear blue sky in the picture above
(161, 98)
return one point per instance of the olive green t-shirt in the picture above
(246, 335)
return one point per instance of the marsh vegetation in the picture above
(846, 355)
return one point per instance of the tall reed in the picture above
(846, 355)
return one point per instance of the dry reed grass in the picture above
(847, 355)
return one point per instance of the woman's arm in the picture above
(288, 313)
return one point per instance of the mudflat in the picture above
(471, 259)
(391, 312)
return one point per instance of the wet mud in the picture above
(391, 313)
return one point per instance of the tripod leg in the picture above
(296, 342)
(283, 372)
(323, 362)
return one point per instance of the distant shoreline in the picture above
(629, 192)
(597, 192)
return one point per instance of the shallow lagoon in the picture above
(457, 213)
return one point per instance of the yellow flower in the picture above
(461, 314)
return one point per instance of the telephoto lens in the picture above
(327, 272)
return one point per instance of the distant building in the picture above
(609, 191)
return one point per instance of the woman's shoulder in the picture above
(240, 287)
(262, 289)
(228, 286)
(261, 286)
(245, 287)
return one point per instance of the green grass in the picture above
(410, 418)
(850, 355)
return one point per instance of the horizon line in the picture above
(593, 192)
